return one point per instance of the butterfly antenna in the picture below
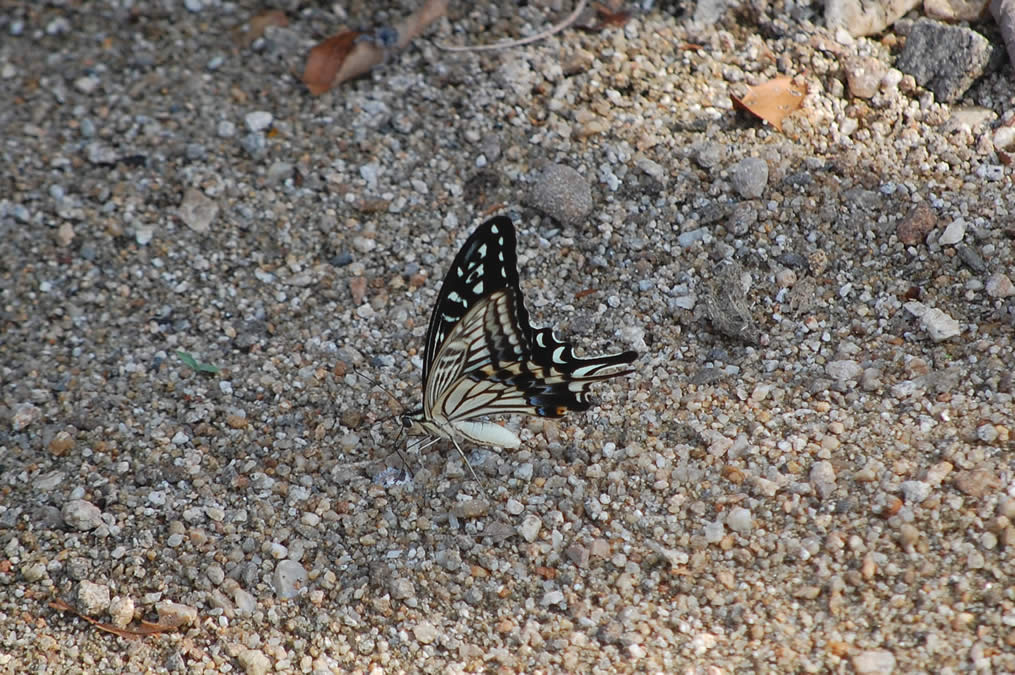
(379, 420)
(377, 384)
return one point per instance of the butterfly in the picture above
(482, 356)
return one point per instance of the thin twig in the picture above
(552, 30)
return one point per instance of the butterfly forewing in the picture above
(482, 356)
(485, 263)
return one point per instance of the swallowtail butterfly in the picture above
(482, 357)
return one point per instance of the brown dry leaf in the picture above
(145, 629)
(257, 26)
(325, 59)
(772, 100)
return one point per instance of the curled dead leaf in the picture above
(772, 101)
(325, 60)
(351, 54)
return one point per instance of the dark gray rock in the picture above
(945, 59)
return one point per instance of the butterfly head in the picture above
(411, 422)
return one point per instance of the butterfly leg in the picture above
(466, 460)
(418, 447)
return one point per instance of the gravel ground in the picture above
(810, 470)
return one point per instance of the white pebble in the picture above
(739, 520)
(874, 662)
(939, 325)
(121, 611)
(425, 632)
(258, 120)
(714, 532)
(954, 233)
(552, 598)
(93, 598)
(289, 579)
(529, 529)
(915, 491)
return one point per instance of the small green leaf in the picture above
(194, 364)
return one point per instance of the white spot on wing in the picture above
(478, 288)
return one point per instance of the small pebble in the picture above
(215, 574)
(61, 444)
(121, 611)
(739, 520)
(844, 371)
(864, 75)
(245, 602)
(254, 662)
(915, 491)
(954, 233)
(916, 225)
(93, 599)
(939, 325)
(82, 515)
(289, 579)
(822, 477)
(554, 597)
(143, 234)
(1000, 286)
(197, 211)
(255, 144)
(24, 415)
(402, 589)
(258, 120)
(714, 532)
(749, 177)
(874, 662)
(529, 528)
(577, 554)
(425, 632)
(33, 572)
(175, 614)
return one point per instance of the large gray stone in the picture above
(945, 59)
